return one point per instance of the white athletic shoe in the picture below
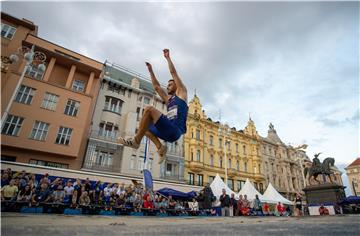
(130, 142)
(162, 153)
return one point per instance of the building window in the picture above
(244, 149)
(12, 125)
(25, 95)
(72, 108)
(103, 158)
(34, 72)
(211, 179)
(139, 98)
(132, 162)
(191, 178)
(63, 136)
(237, 148)
(198, 155)
(168, 169)
(228, 145)
(238, 185)
(49, 163)
(40, 131)
(256, 186)
(78, 85)
(229, 163)
(197, 134)
(50, 101)
(192, 156)
(141, 163)
(220, 162)
(212, 160)
(108, 130)
(146, 100)
(231, 184)
(138, 113)
(200, 180)
(113, 104)
(220, 143)
(238, 165)
(245, 166)
(259, 168)
(7, 31)
(211, 140)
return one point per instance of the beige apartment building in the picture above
(50, 115)
(121, 101)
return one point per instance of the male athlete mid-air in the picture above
(156, 125)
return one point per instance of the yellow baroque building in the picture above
(205, 155)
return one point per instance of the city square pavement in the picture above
(16, 224)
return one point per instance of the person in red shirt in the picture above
(266, 209)
(148, 204)
(280, 209)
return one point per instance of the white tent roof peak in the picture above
(274, 196)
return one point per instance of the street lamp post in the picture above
(29, 55)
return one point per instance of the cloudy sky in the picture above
(293, 64)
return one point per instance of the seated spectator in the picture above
(323, 210)
(171, 202)
(69, 191)
(149, 204)
(33, 183)
(84, 199)
(257, 206)
(138, 202)
(45, 179)
(157, 203)
(194, 205)
(54, 185)
(41, 195)
(245, 209)
(58, 195)
(9, 192)
(280, 210)
(266, 209)
(120, 201)
(164, 204)
(5, 180)
(24, 194)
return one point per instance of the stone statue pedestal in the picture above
(327, 193)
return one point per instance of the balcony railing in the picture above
(104, 134)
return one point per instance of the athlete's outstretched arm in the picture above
(156, 83)
(179, 84)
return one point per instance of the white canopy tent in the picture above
(250, 191)
(274, 196)
(218, 185)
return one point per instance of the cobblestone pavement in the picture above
(16, 224)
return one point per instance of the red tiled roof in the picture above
(355, 163)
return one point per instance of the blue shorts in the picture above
(165, 129)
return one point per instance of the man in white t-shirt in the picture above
(69, 190)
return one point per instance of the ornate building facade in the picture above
(210, 147)
(353, 174)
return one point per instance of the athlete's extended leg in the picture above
(150, 116)
(161, 148)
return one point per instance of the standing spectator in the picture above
(257, 205)
(225, 203)
(24, 194)
(45, 179)
(69, 191)
(245, 210)
(33, 183)
(58, 195)
(298, 205)
(233, 205)
(9, 192)
(208, 197)
(239, 205)
(87, 185)
(120, 201)
(107, 194)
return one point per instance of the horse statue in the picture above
(320, 168)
